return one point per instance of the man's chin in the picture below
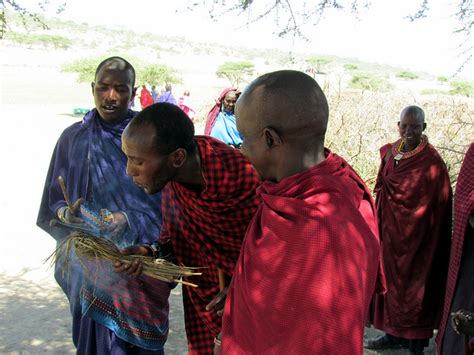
(151, 190)
(148, 191)
(112, 116)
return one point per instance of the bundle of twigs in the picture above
(99, 249)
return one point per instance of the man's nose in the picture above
(112, 94)
(129, 170)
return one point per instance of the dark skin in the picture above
(411, 128)
(463, 322)
(152, 171)
(277, 143)
(113, 91)
(229, 101)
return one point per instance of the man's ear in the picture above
(92, 87)
(178, 157)
(272, 137)
(398, 124)
(134, 92)
(424, 126)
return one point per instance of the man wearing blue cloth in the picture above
(111, 313)
(167, 96)
(225, 127)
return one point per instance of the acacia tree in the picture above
(153, 74)
(235, 72)
(146, 73)
(25, 13)
(318, 63)
(291, 16)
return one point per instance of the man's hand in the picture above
(135, 268)
(118, 226)
(217, 344)
(218, 303)
(71, 215)
(463, 322)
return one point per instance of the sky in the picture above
(380, 34)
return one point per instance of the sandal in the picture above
(384, 342)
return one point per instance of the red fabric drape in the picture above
(463, 208)
(207, 230)
(414, 210)
(145, 98)
(308, 267)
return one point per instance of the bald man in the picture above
(310, 259)
(414, 206)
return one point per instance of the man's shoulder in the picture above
(218, 147)
(222, 159)
(72, 129)
(383, 150)
(431, 154)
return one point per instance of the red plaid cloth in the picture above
(207, 229)
(463, 208)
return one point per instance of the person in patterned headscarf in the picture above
(220, 122)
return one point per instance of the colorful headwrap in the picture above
(212, 115)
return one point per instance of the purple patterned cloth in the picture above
(168, 97)
(88, 156)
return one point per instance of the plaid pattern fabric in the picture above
(207, 229)
(463, 208)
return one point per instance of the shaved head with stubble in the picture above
(282, 117)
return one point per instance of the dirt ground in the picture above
(36, 105)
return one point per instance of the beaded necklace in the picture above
(398, 154)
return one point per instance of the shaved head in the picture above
(416, 111)
(291, 102)
(282, 118)
(116, 63)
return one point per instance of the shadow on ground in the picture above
(35, 318)
(373, 333)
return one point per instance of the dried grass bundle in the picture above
(90, 247)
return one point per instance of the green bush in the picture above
(153, 74)
(85, 68)
(371, 82)
(405, 74)
(432, 92)
(45, 40)
(318, 62)
(147, 73)
(350, 67)
(235, 72)
(442, 79)
(464, 88)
